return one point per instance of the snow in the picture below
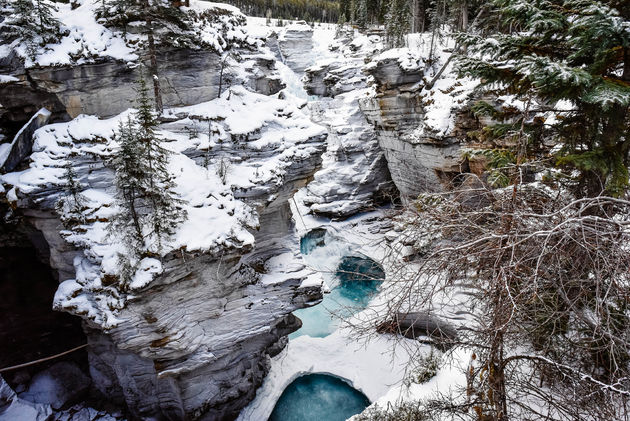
(449, 377)
(8, 78)
(449, 93)
(5, 148)
(147, 270)
(368, 369)
(85, 40)
(287, 266)
(408, 60)
(275, 129)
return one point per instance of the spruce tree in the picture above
(31, 21)
(397, 23)
(164, 24)
(165, 212)
(130, 180)
(71, 206)
(576, 51)
(361, 13)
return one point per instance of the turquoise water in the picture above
(312, 240)
(359, 279)
(318, 397)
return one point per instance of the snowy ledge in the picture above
(217, 26)
(262, 138)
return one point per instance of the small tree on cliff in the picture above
(165, 213)
(165, 23)
(31, 21)
(149, 209)
(71, 206)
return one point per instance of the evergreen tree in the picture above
(130, 180)
(345, 10)
(148, 208)
(397, 23)
(71, 206)
(164, 24)
(165, 212)
(32, 21)
(576, 51)
(361, 13)
(73, 187)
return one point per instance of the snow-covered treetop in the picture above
(84, 38)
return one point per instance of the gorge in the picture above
(302, 156)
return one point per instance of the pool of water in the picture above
(312, 240)
(318, 397)
(358, 280)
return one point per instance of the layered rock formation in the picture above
(107, 88)
(354, 176)
(193, 341)
(190, 337)
(294, 43)
(85, 76)
(419, 129)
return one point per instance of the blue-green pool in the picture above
(318, 397)
(359, 279)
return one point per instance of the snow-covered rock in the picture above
(193, 334)
(295, 41)
(14, 408)
(87, 73)
(12, 154)
(354, 174)
(420, 129)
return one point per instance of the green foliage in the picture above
(570, 50)
(149, 210)
(498, 162)
(427, 367)
(397, 22)
(314, 10)
(31, 21)
(172, 25)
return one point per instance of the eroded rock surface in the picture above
(354, 176)
(420, 130)
(192, 340)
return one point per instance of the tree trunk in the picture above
(415, 23)
(626, 65)
(464, 12)
(153, 68)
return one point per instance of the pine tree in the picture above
(165, 212)
(397, 23)
(577, 51)
(32, 21)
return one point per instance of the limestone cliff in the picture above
(419, 128)
(354, 176)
